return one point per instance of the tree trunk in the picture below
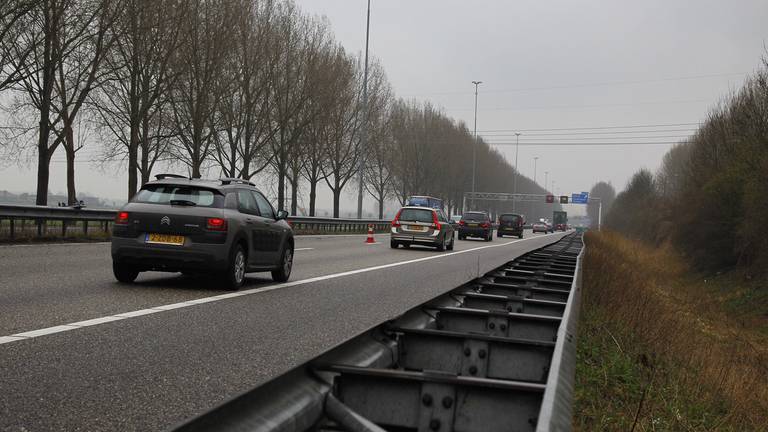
(133, 155)
(381, 206)
(43, 156)
(294, 195)
(69, 147)
(43, 171)
(336, 199)
(312, 197)
(281, 186)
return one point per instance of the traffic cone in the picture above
(370, 235)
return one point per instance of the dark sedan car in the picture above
(510, 224)
(224, 227)
(476, 224)
(422, 226)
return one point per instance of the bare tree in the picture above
(88, 27)
(378, 167)
(302, 39)
(244, 127)
(67, 38)
(199, 63)
(342, 132)
(130, 103)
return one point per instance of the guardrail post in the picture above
(85, 227)
(11, 227)
(63, 227)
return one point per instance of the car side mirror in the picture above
(282, 214)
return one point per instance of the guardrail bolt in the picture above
(519, 309)
(427, 399)
(467, 351)
(481, 354)
(447, 402)
(509, 308)
(503, 327)
(473, 370)
(491, 326)
(434, 424)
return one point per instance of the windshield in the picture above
(416, 215)
(475, 216)
(187, 195)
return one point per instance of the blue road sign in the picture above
(582, 198)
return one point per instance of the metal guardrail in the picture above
(497, 353)
(17, 215)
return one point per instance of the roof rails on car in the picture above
(229, 180)
(165, 176)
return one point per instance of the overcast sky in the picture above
(544, 65)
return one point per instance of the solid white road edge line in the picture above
(162, 308)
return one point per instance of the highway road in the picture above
(79, 351)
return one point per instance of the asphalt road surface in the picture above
(78, 351)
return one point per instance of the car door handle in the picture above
(250, 221)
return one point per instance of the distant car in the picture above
(510, 224)
(225, 227)
(561, 227)
(422, 226)
(476, 224)
(540, 227)
(455, 219)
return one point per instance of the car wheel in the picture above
(393, 244)
(124, 273)
(234, 275)
(520, 236)
(453, 241)
(499, 235)
(441, 245)
(286, 265)
(461, 237)
(490, 236)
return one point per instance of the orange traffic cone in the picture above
(370, 235)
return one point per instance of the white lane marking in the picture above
(301, 249)
(162, 308)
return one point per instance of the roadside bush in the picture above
(656, 349)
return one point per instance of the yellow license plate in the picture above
(165, 239)
(473, 225)
(417, 228)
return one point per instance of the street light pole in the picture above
(474, 146)
(535, 160)
(517, 172)
(364, 126)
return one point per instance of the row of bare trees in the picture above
(237, 88)
(710, 196)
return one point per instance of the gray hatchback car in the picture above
(224, 227)
(423, 226)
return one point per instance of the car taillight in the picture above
(216, 224)
(435, 222)
(462, 223)
(485, 225)
(396, 221)
(121, 218)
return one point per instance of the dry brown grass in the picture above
(677, 324)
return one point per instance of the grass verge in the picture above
(661, 348)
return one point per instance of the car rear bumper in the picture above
(509, 231)
(194, 257)
(474, 232)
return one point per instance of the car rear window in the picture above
(164, 194)
(416, 215)
(475, 216)
(509, 218)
